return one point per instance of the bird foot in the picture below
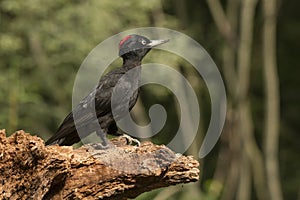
(131, 140)
(98, 146)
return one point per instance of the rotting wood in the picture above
(31, 170)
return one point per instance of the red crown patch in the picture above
(124, 40)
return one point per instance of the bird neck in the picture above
(131, 63)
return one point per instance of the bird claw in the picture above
(99, 146)
(131, 140)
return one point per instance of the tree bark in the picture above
(272, 120)
(31, 170)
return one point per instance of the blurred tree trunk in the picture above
(37, 50)
(237, 54)
(243, 104)
(272, 99)
(13, 98)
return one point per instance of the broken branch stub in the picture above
(31, 170)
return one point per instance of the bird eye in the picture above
(143, 42)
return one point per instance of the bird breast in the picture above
(125, 93)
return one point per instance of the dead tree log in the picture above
(31, 170)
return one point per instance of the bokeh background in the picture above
(255, 44)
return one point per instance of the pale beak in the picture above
(154, 43)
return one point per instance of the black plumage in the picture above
(96, 108)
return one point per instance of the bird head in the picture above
(137, 46)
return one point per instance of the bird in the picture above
(95, 109)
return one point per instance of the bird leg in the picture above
(105, 143)
(130, 140)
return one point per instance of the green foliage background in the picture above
(43, 43)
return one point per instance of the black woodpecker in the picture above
(132, 49)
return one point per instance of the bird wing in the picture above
(96, 104)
